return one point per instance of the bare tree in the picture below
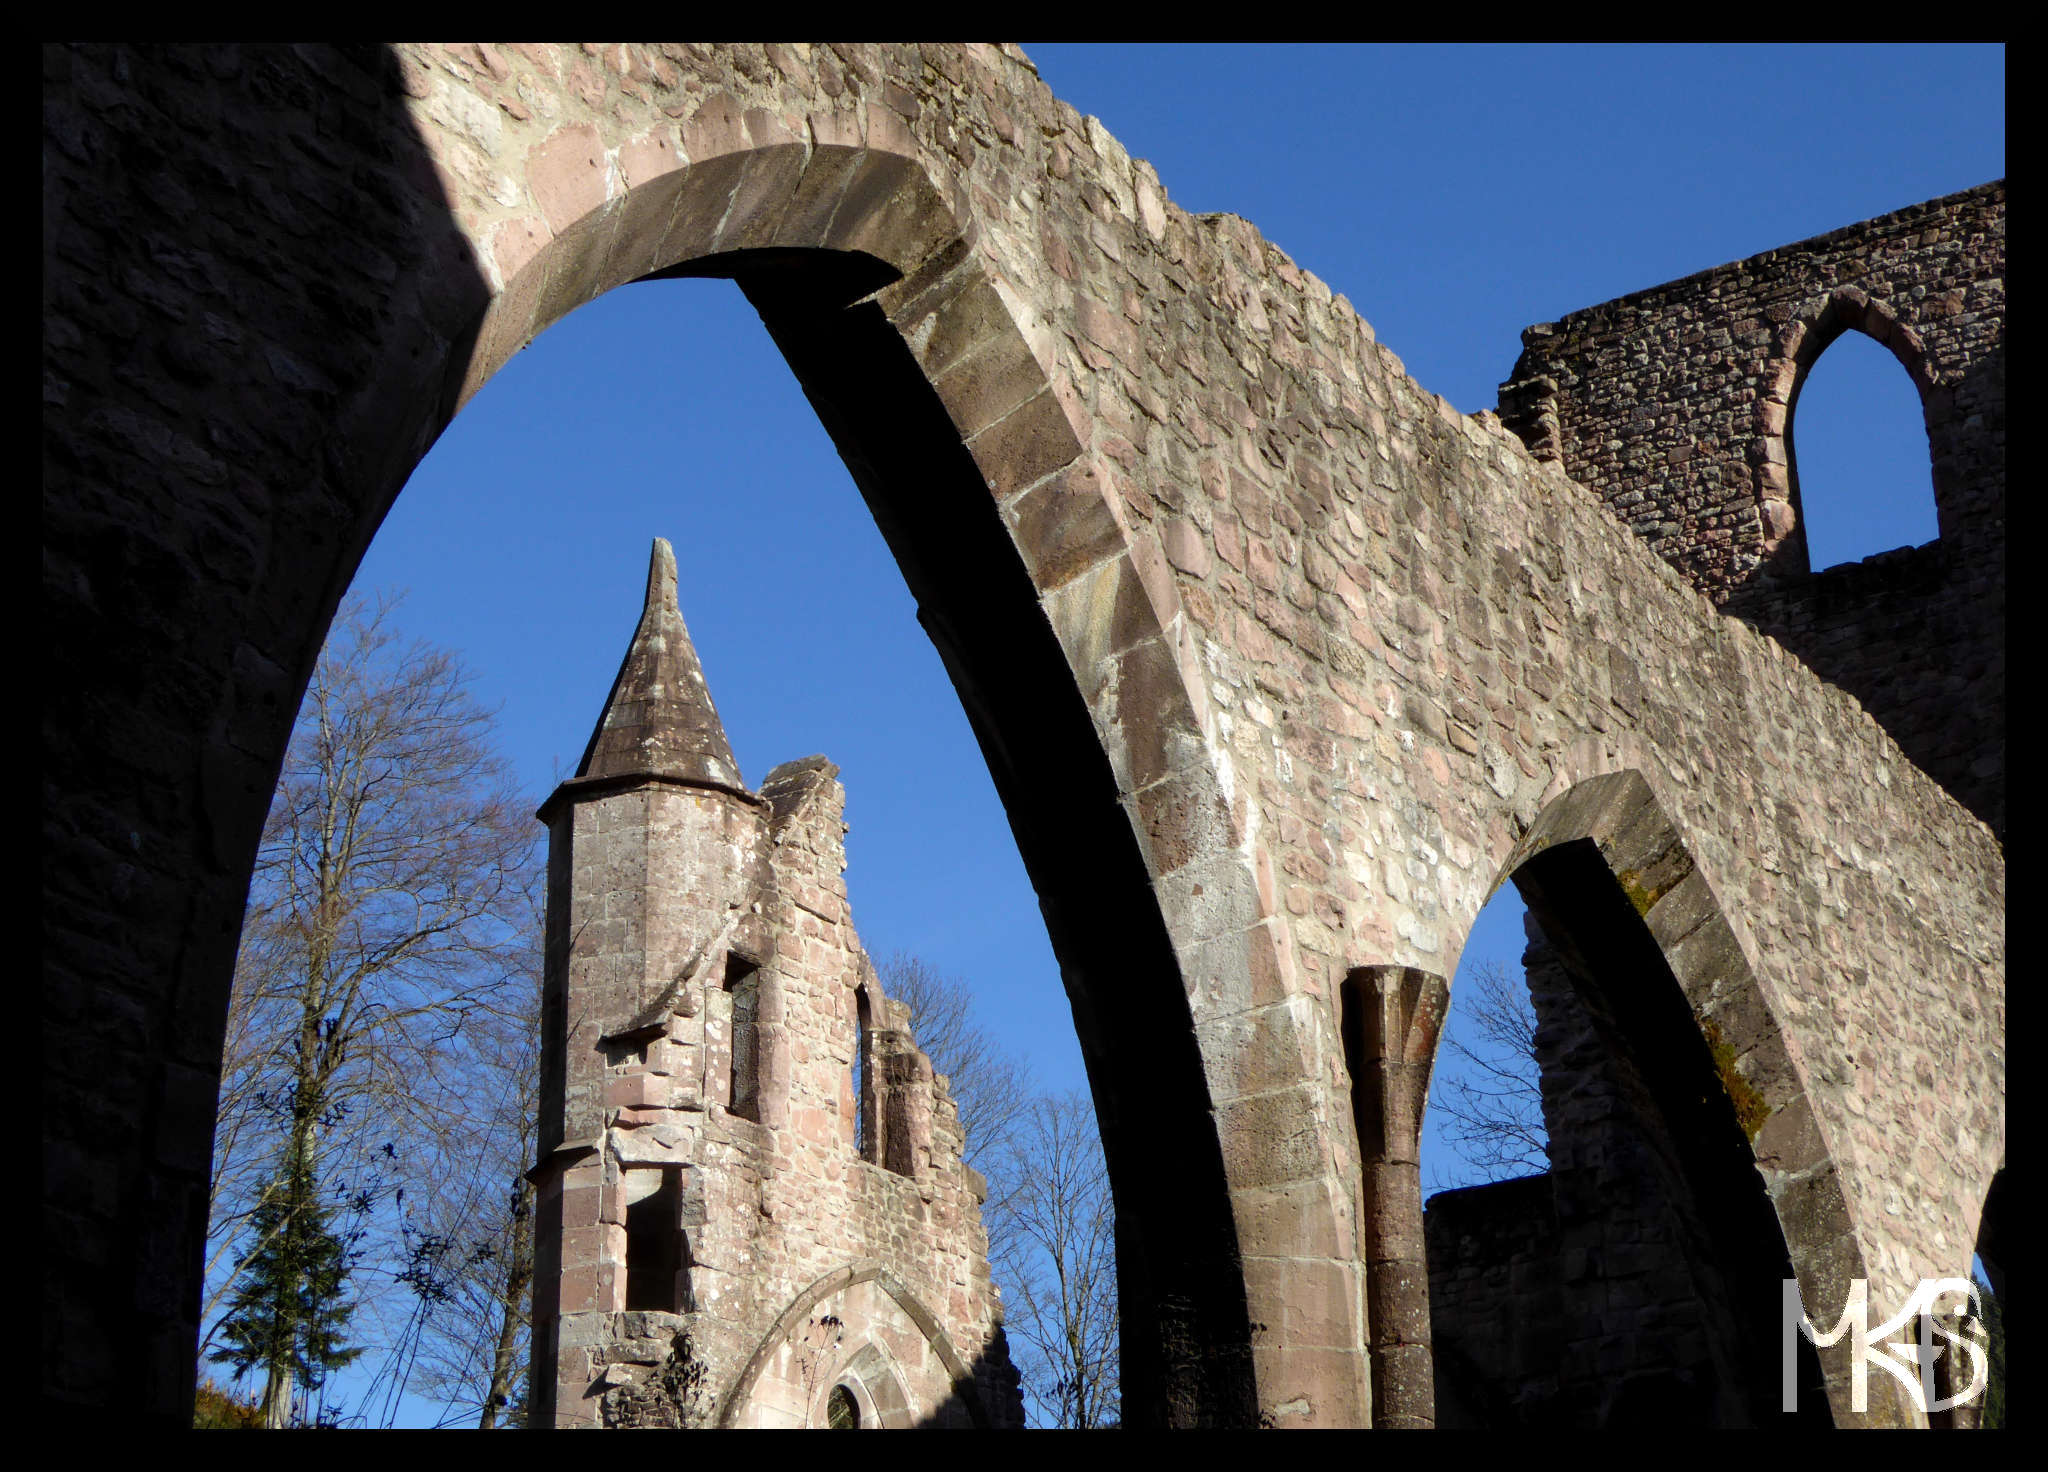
(387, 921)
(1491, 1094)
(1052, 1242)
(469, 1233)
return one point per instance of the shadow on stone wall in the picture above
(247, 258)
(996, 1391)
(1177, 1257)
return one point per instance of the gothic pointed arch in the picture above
(1815, 327)
(1061, 629)
(873, 1381)
(1614, 885)
(793, 1318)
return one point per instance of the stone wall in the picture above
(1279, 662)
(1676, 405)
(1495, 1309)
(1645, 1328)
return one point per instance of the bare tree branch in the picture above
(1491, 1096)
(993, 1090)
(1052, 1241)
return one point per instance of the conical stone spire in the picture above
(659, 721)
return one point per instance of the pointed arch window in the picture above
(1859, 463)
(842, 1411)
(1871, 481)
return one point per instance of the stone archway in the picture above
(1704, 1061)
(880, 1375)
(1052, 630)
(876, 1386)
(1061, 632)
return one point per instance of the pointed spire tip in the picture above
(661, 575)
(659, 719)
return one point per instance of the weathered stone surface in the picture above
(272, 276)
(1673, 405)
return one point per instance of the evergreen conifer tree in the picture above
(289, 1312)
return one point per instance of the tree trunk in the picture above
(518, 1277)
(277, 1398)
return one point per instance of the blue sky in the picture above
(1454, 194)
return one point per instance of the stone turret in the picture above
(751, 1206)
(651, 851)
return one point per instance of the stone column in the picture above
(1391, 1017)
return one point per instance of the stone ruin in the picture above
(1280, 663)
(752, 1208)
(1675, 406)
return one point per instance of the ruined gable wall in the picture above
(823, 1206)
(1669, 402)
(1673, 405)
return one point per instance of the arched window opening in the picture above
(743, 985)
(653, 1239)
(842, 1412)
(1860, 472)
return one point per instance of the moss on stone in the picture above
(1639, 894)
(1751, 1110)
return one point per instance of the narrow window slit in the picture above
(743, 985)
